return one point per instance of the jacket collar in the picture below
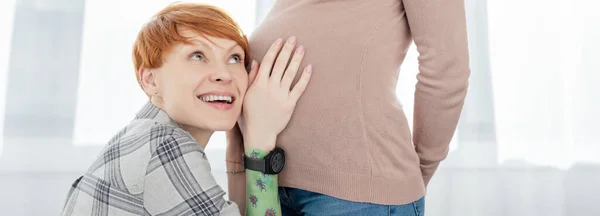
(150, 111)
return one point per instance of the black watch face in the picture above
(277, 162)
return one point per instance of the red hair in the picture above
(158, 36)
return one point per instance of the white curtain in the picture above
(7, 9)
(545, 80)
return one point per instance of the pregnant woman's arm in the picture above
(255, 193)
(439, 31)
(267, 109)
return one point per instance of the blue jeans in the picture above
(301, 202)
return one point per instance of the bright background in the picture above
(527, 143)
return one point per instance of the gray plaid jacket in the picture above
(151, 167)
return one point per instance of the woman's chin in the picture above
(221, 126)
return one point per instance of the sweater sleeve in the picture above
(438, 28)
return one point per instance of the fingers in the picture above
(301, 85)
(267, 63)
(253, 72)
(292, 69)
(282, 59)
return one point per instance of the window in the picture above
(545, 80)
(7, 10)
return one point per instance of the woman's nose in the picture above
(222, 75)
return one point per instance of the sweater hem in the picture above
(355, 187)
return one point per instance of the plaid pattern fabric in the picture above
(151, 167)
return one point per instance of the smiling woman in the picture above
(181, 86)
(169, 68)
(189, 60)
(103, 85)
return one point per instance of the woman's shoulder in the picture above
(136, 147)
(152, 125)
(161, 136)
(154, 133)
(137, 142)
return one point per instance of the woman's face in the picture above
(202, 85)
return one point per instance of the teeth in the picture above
(209, 98)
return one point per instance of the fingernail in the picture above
(309, 69)
(253, 65)
(300, 50)
(292, 40)
(278, 41)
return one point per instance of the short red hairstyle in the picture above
(157, 37)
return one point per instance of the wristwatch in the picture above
(271, 164)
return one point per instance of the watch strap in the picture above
(255, 164)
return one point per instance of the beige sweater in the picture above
(348, 136)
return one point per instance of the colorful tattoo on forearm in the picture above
(262, 193)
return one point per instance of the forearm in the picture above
(236, 181)
(267, 108)
(439, 31)
(262, 193)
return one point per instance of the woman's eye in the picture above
(235, 59)
(197, 56)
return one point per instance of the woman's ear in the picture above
(148, 81)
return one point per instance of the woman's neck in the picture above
(201, 136)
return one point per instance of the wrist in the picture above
(259, 141)
(254, 152)
(271, 162)
(234, 166)
(233, 155)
